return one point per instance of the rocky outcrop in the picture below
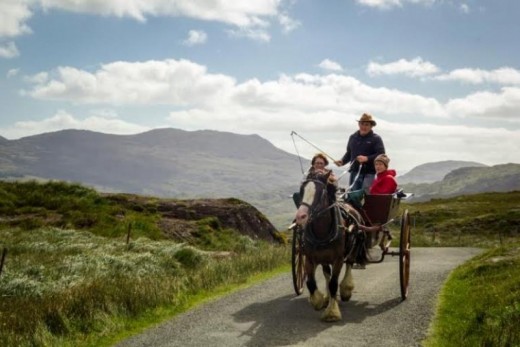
(180, 218)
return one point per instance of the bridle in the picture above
(313, 211)
(316, 210)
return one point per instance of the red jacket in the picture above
(384, 183)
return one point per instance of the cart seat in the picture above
(378, 208)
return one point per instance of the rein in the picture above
(335, 231)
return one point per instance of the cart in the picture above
(368, 214)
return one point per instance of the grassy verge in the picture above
(480, 220)
(480, 303)
(61, 287)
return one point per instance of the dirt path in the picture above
(270, 314)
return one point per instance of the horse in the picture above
(329, 240)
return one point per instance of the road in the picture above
(269, 314)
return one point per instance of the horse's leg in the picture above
(347, 284)
(327, 273)
(316, 297)
(332, 312)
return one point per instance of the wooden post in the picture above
(4, 254)
(128, 233)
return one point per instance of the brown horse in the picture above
(328, 241)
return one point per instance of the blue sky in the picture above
(441, 77)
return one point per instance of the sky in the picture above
(441, 77)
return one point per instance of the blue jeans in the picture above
(364, 181)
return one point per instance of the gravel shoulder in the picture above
(269, 314)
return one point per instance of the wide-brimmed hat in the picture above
(367, 118)
(383, 158)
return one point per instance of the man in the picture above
(362, 148)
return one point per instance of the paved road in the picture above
(269, 314)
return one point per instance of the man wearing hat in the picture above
(363, 147)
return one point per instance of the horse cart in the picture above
(368, 216)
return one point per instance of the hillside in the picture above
(30, 205)
(167, 163)
(433, 172)
(177, 164)
(469, 180)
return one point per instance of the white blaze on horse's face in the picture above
(302, 215)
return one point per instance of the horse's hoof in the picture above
(317, 300)
(331, 319)
(325, 302)
(329, 316)
(346, 297)
(332, 313)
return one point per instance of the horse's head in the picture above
(313, 193)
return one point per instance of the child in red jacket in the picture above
(385, 182)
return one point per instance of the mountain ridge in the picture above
(434, 171)
(174, 163)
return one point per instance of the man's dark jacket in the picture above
(370, 145)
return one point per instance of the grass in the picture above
(480, 303)
(480, 220)
(60, 286)
(71, 279)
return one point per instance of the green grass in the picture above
(480, 220)
(32, 204)
(59, 286)
(71, 279)
(480, 303)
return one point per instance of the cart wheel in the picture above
(404, 254)
(298, 261)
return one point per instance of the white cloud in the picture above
(12, 73)
(63, 120)
(323, 107)
(190, 87)
(152, 82)
(504, 105)
(9, 50)
(416, 67)
(464, 8)
(327, 64)
(388, 4)
(195, 37)
(254, 34)
(237, 13)
(13, 15)
(503, 75)
(186, 84)
(250, 17)
(288, 24)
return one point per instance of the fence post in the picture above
(4, 254)
(128, 233)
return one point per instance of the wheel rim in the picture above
(404, 255)
(298, 263)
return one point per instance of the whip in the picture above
(310, 143)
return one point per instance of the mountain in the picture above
(162, 162)
(172, 163)
(469, 180)
(433, 172)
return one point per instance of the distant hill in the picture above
(469, 180)
(433, 172)
(163, 162)
(172, 163)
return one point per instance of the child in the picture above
(385, 182)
